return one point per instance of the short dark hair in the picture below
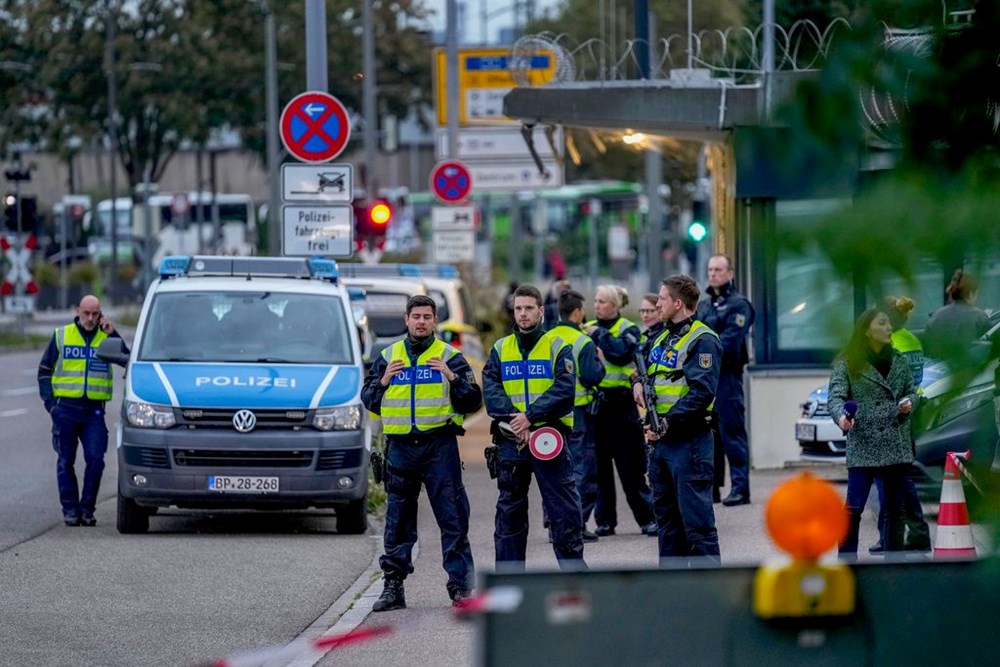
(569, 301)
(729, 262)
(529, 290)
(420, 300)
(684, 288)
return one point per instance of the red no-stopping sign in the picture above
(451, 181)
(315, 127)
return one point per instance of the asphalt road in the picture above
(201, 587)
(194, 589)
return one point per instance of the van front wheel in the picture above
(132, 519)
(352, 518)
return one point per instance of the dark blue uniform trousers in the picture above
(733, 430)
(434, 462)
(581, 449)
(620, 444)
(560, 499)
(681, 474)
(86, 425)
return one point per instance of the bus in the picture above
(237, 223)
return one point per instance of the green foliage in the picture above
(940, 202)
(83, 273)
(185, 68)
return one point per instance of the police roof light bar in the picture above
(405, 270)
(319, 268)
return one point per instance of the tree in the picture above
(187, 68)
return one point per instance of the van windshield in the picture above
(247, 327)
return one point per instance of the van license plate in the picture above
(805, 432)
(242, 484)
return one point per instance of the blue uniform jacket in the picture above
(48, 364)
(552, 405)
(701, 371)
(465, 395)
(648, 336)
(589, 368)
(730, 315)
(619, 350)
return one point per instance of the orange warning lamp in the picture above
(379, 214)
(806, 518)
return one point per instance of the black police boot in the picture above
(392, 596)
(459, 596)
(651, 529)
(604, 531)
(589, 536)
(877, 548)
(734, 499)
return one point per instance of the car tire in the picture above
(132, 519)
(352, 518)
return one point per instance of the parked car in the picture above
(385, 306)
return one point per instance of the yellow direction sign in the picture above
(484, 78)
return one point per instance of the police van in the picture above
(243, 390)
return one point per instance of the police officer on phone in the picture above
(422, 388)
(684, 365)
(75, 386)
(530, 382)
(589, 373)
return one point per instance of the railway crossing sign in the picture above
(315, 127)
(451, 181)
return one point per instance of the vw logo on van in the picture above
(244, 421)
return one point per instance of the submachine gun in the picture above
(652, 420)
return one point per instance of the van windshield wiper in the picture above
(274, 360)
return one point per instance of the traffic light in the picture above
(29, 213)
(697, 231)
(371, 221)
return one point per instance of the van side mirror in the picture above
(113, 350)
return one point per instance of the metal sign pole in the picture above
(273, 158)
(316, 73)
(452, 78)
(19, 243)
(368, 101)
(63, 223)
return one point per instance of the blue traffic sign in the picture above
(315, 127)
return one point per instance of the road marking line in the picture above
(14, 413)
(18, 391)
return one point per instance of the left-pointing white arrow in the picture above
(311, 110)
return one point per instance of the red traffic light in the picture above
(379, 214)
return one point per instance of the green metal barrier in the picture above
(914, 613)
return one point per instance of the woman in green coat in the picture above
(878, 380)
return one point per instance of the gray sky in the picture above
(502, 16)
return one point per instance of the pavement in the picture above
(428, 632)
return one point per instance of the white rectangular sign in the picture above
(453, 219)
(485, 104)
(477, 144)
(514, 176)
(22, 304)
(318, 183)
(318, 230)
(454, 246)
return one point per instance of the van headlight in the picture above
(340, 418)
(147, 415)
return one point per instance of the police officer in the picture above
(530, 381)
(652, 325)
(684, 365)
(618, 431)
(730, 315)
(74, 386)
(422, 387)
(589, 373)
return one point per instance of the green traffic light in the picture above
(697, 231)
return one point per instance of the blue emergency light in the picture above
(174, 265)
(410, 270)
(323, 268)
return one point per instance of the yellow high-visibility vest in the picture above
(616, 376)
(577, 340)
(78, 371)
(667, 363)
(417, 398)
(524, 380)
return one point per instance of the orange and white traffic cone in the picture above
(954, 531)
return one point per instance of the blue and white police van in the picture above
(243, 390)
